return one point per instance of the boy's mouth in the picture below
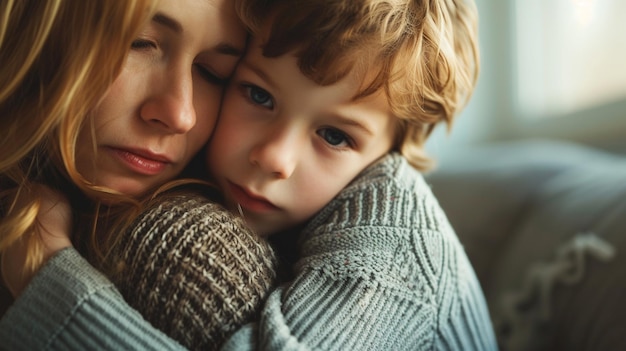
(248, 200)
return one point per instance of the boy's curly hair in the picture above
(422, 53)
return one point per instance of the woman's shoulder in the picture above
(190, 215)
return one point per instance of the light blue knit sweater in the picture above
(380, 268)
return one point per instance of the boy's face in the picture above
(284, 146)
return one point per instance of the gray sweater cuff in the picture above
(57, 304)
(63, 298)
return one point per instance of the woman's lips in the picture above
(141, 161)
(249, 201)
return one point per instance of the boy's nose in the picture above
(278, 155)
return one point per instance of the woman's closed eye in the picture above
(143, 44)
(335, 138)
(210, 76)
(258, 96)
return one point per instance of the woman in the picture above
(102, 103)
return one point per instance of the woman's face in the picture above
(162, 107)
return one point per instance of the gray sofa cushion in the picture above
(514, 205)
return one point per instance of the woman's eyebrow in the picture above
(227, 49)
(176, 27)
(168, 22)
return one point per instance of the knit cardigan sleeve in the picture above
(380, 268)
(69, 305)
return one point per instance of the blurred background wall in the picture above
(549, 69)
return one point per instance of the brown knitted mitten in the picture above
(195, 271)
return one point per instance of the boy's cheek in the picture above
(228, 140)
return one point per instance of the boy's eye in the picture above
(259, 96)
(334, 137)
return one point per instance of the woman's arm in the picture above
(380, 268)
(190, 268)
(194, 270)
(69, 305)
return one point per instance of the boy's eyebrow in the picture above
(345, 120)
(258, 71)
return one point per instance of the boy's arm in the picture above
(368, 277)
(68, 305)
(380, 269)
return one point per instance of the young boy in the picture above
(330, 105)
(326, 89)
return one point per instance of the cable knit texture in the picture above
(380, 268)
(195, 271)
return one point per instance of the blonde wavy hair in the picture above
(422, 53)
(57, 60)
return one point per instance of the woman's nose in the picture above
(170, 107)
